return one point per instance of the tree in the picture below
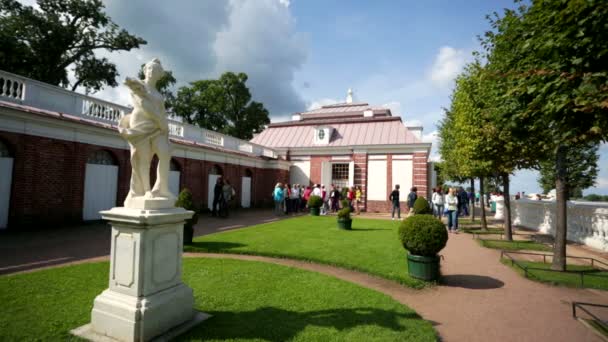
(43, 43)
(222, 105)
(553, 56)
(582, 169)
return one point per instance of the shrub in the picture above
(315, 201)
(421, 206)
(423, 235)
(184, 200)
(345, 204)
(344, 214)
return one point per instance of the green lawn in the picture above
(372, 246)
(249, 301)
(566, 279)
(514, 245)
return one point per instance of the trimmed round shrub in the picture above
(345, 203)
(421, 207)
(184, 200)
(344, 214)
(423, 235)
(315, 202)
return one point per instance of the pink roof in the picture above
(381, 131)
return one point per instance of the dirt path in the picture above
(480, 300)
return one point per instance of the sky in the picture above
(300, 54)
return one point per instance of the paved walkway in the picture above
(27, 250)
(480, 298)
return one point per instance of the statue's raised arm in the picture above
(146, 130)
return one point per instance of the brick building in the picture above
(62, 160)
(353, 144)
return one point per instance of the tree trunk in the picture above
(561, 211)
(484, 223)
(472, 200)
(507, 209)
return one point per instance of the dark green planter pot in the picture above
(315, 211)
(423, 267)
(345, 224)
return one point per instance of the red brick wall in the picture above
(421, 173)
(48, 180)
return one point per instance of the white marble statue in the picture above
(147, 131)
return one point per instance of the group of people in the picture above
(290, 199)
(394, 199)
(453, 204)
(223, 193)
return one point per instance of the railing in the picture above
(587, 221)
(585, 307)
(28, 92)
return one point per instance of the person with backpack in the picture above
(412, 197)
(394, 198)
(277, 196)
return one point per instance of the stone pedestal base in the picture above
(146, 297)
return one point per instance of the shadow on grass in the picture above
(273, 324)
(211, 246)
(471, 281)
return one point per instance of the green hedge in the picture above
(423, 235)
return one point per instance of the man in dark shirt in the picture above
(394, 198)
(335, 199)
(412, 197)
(217, 196)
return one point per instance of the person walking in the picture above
(451, 200)
(350, 195)
(335, 199)
(394, 198)
(358, 195)
(325, 198)
(286, 191)
(294, 196)
(277, 196)
(306, 197)
(227, 193)
(217, 196)
(412, 197)
(438, 202)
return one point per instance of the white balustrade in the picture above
(101, 110)
(268, 153)
(11, 87)
(35, 94)
(176, 129)
(246, 148)
(213, 138)
(587, 221)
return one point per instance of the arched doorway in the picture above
(174, 177)
(246, 189)
(100, 184)
(214, 173)
(6, 168)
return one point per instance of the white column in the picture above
(146, 297)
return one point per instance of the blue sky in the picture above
(403, 54)
(305, 53)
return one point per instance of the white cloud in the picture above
(261, 40)
(285, 3)
(321, 102)
(394, 106)
(448, 63)
(432, 138)
(413, 123)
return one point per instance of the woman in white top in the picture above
(451, 200)
(437, 200)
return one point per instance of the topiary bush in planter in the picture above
(344, 219)
(423, 236)
(422, 207)
(314, 203)
(184, 200)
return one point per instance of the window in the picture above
(321, 134)
(339, 174)
(174, 166)
(101, 157)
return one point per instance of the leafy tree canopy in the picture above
(223, 105)
(582, 169)
(42, 43)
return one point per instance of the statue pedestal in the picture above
(146, 297)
